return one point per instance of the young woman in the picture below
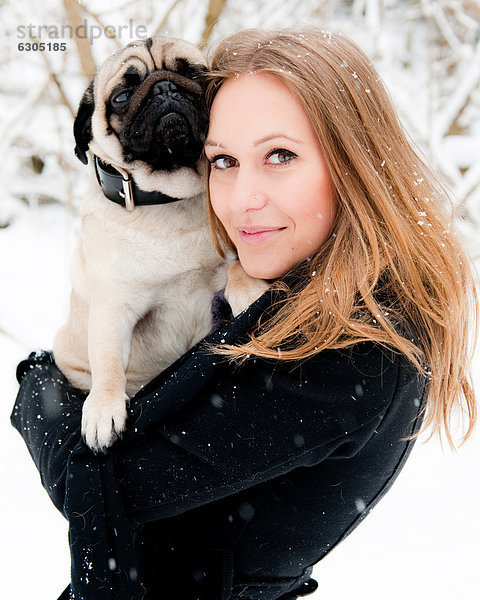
(265, 445)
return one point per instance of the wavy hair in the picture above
(392, 263)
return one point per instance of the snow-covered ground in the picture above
(421, 542)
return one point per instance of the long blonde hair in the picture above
(392, 258)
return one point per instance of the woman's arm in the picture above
(234, 428)
(207, 430)
(47, 415)
(201, 431)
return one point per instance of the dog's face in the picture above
(144, 109)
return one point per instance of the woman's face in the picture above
(269, 182)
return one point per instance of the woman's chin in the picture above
(262, 271)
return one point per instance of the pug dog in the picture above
(145, 269)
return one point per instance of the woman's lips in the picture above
(257, 235)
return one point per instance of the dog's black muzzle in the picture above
(166, 122)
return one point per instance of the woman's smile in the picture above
(258, 235)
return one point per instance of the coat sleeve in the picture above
(206, 430)
(47, 414)
(200, 432)
(243, 427)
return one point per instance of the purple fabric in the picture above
(221, 311)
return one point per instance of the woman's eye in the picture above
(280, 156)
(223, 162)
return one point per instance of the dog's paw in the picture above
(241, 289)
(104, 417)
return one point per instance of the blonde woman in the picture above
(265, 445)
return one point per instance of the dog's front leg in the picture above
(104, 414)
(242, 289)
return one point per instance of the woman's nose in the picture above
(248, 192)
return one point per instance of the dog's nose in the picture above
(165, 88)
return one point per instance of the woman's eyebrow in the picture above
(259, 142)
(276, 136)
(213, 144)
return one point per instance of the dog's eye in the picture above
(121, 97)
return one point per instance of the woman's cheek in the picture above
(214, 199)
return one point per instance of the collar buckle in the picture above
(127, 193)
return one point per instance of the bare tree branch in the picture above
(115, 7)
(10, 127)
(163, 22)
(72, 9)
(57, 84)
(215, 9)
(97, 18)
(466, 84)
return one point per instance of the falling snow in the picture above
(37, 241)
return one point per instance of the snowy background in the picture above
(422, 541)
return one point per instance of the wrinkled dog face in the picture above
(145, 105)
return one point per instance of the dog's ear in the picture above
(82, 126)
(191, 70)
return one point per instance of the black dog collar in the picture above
(119, 187)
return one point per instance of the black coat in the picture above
(229, 482)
